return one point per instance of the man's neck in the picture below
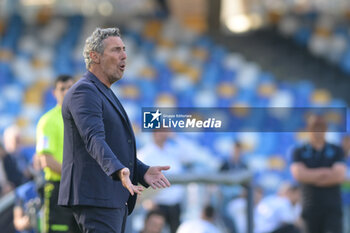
(317, 144)
(100, 75)
(159, 145)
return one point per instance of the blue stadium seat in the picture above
(345, 61)
(12, 33)
(303, 91)
(303, 35)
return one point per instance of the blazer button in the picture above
(107, 169)
(129, 141)
(130, 163)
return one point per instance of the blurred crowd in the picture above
(181, 208)
(324, 34)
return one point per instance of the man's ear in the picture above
(95, 57)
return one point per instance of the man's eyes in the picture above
(118, 49)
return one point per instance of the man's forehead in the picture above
(114, 41)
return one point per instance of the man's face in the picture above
(61, 90)
(154, 224)
(113, 59)
(236, 153)
(318, 136)
(317, 127)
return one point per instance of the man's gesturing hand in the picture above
(124, 175)
(155, 178)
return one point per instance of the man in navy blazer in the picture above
(100, 170)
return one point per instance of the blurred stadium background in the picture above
(198, 53)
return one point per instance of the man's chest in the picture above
(314, 158)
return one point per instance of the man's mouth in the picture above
(122, 67)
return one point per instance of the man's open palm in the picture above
(155, 178)
(124, 175)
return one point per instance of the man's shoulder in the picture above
(82, 84)
(335, 152)
(300, 149)
(302, 153)
(302, 146)
(83, 87)
(333, 146)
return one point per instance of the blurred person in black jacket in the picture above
(10, 176)
(320, 168)
(234, 162)
(13, 145)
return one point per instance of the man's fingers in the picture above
(138, 189)
(134, 189)
(161, 182)
(125, 179)
(166, 181)
(156, 183)
(164, 168)
(131, 190)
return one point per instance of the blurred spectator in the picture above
(154, 222)
(49, 149)
(195, 156)
(13, 146)
(163, 10)
(168, 200)
(346, 185)
(237, 209)
(26, 210)
(235, 161)
(279, 213)
(203, 225)
(10, 176)
(12, 139)
(319, 167)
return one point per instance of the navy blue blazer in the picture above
(98, 141)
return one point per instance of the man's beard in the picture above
(113, 78)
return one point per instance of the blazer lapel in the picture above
(103, 89)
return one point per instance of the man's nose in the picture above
(124, 56)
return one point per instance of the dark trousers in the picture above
(172, 215)
(57, 219)
(323, 221)
(92, 219)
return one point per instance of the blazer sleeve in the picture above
(86, 108)
(141, 171)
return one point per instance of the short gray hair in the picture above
(95, 42)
